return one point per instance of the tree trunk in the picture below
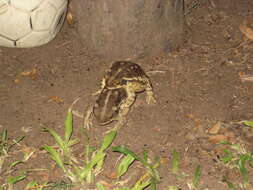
(120, 29)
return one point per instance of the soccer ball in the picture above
(30, 23)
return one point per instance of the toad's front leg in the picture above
(150, 99)
(125, 108)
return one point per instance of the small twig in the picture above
(238, 46)
(155, 72)
(76, 100)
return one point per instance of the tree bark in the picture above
(120, 29)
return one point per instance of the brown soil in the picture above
(196, 87)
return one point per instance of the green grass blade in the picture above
(196, 178)
(153, 184)
(251, 161)
(13, 180)
(68, 125)
(13, 164)
(141, 185)
(100, 164)
(16, 141)
(124, 165)
(91, 164)
(100, 186)
(230, 185)
(55, 156)
(248, 123)
(228, 156)
(155, 173)
(31, 185)
(4, 136)
(175, 161)
(241, 163)
(90, 176)
(73, 142)
(126, 151)
(108, 140)
(145, 156)
(57, 137)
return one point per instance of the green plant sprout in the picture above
(6, 170)
(5, 146)
(175, 162)
(237, 157)
(247, 123)
(194, 184)
(91, 165)
(150, 178)
(66, 143)
(196, 179)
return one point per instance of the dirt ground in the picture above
(200, 85)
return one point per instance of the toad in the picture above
(118, 92)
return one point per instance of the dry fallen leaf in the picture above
(246, 28)
(32, 74)
(156, 129)
(215, 129)
(217, 139)
(245, 77)
(196, 121)
(56, 99)
(69, 18)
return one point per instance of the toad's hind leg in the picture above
(124, 109)
(150, 99)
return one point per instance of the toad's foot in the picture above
(117, 126)
(150, 99)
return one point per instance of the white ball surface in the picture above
(30, 23)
